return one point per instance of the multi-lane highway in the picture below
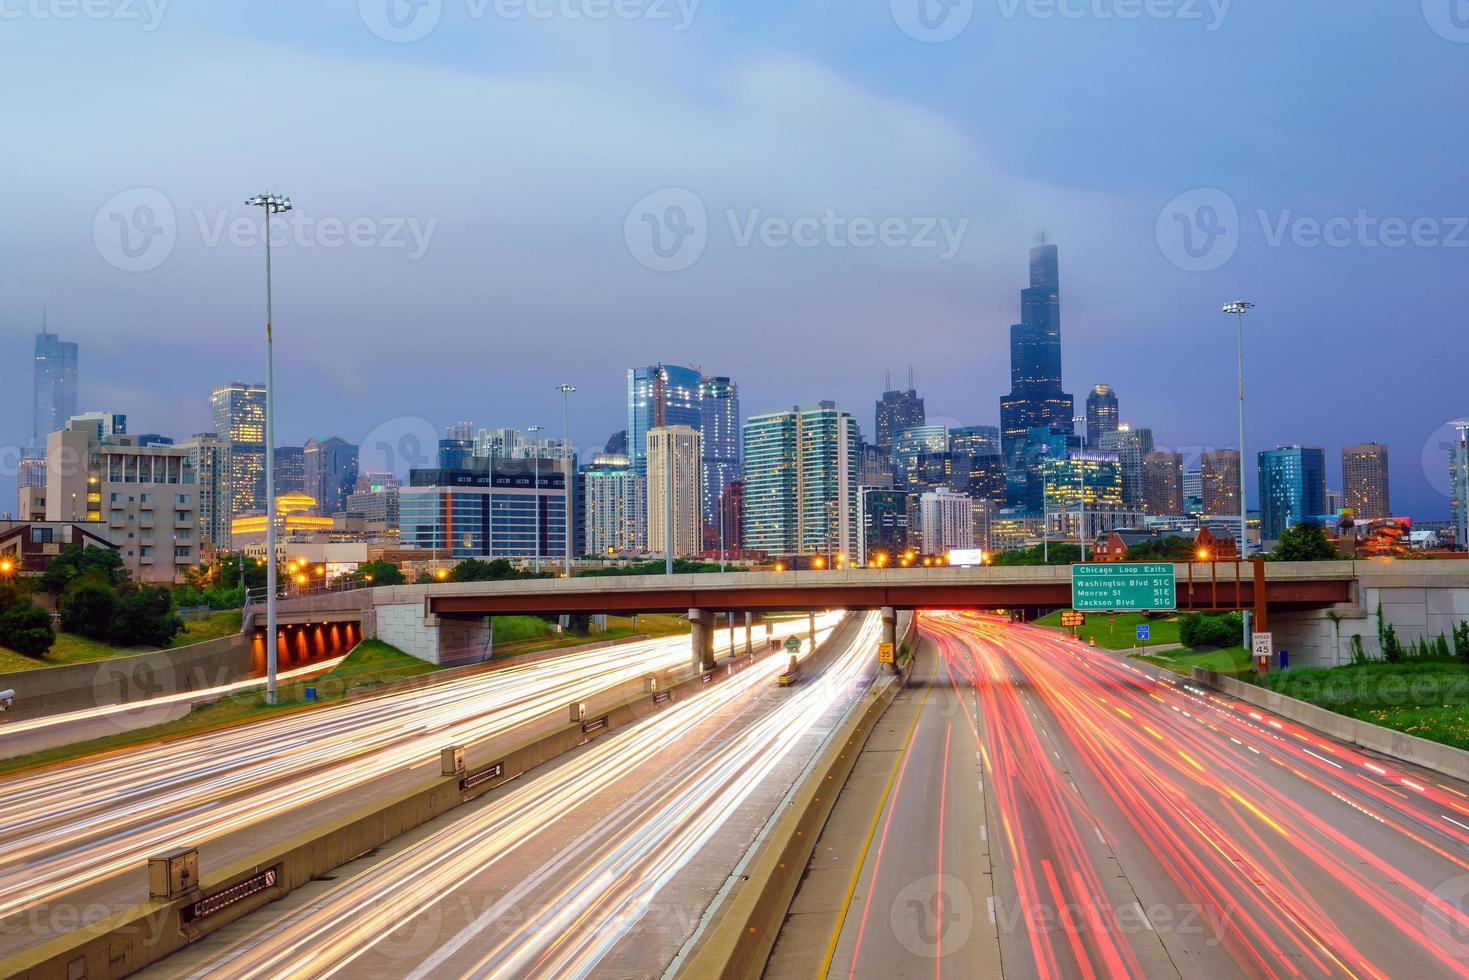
(602, 865)
(74, 838)
(1054, 811)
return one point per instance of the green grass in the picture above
(223, 622)
(70, 648)
(370, 663)
(1234, 661)
(1121, 635)
(516, 635)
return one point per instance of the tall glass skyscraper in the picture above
(1036, 399)
(896, 411)
(719, 412)
(239, 416)
(801, 469)
(1292, 488)
(1101, 415)
(55, 386)
(659, 395)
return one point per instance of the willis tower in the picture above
(1036, 399)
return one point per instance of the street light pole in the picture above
(1239, 308)
(536, 496)
(272, 204)
(566, 391)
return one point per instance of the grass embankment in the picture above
(370, 664)
(1234, 661)
(1122, 634)
(70, 648)
(515, 635)
(1427, 698)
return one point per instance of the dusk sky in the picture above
(474, 180)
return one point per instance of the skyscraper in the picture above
(1101, 414)
(674, 459)
(975, 440)
(290, 470)
(1364, 480)
(659, 395)
(1130, 445)
(896, 411)
(719, 413)
(1459, 483)
(945, 521)
(1292, 488)
(1163, 483)
(801, 467)
(910, 445)
(331, 473)
(1036, 399)
(1221, 481)
(209, 455)
(239, 417)
(55, 394)
(616, 506)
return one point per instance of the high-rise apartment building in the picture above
(801, 470)
(885, 521)
(719, 429)
(1364, 480)
(239, 417)
(55, 386)
(1459, 484)
(1130, 445)
(896, 411)
(616, 506)
(1220, 478)
(1101, 414)
(1163, 484)
(209, 455)
(946, 521)
(331, 473)
(675, 470)
(659, 395)
(1036, 399)
(1292, 488)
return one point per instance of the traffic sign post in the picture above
(1123, 587)
(885, 653)
(793, 643)
(1261, 646)
(1144, 633)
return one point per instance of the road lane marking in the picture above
(984, 833)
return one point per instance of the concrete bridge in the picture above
(449, 622)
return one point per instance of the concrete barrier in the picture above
(739, 944)
(1417, 751)
(148, 932)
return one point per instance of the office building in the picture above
(896, 411)
(455, 453)
(732, 512)
(103, 423)
(885, 516)
(497, 508)
(801, 469)
(54, 392)
(31, 473)
(615, 508)
(331, 472)
(657, 396)
(1130, 445)
(945, 521)
(1459, 485)
(1292, 488)
(144, 497)
(378, 507)
(719, 430)
(1036, 399)
(209, 455)
(1163, 483)
(1093, 479)
(1101, 415)
(1220, 478)
(876, 467)
(975, 440)
(1364, 480)
(296, 518)
(239, 417)
(1193, 491)
(290, 470)
(463, 431)
(616, 444)
(909, 445)
(675, 472)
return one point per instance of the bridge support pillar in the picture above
(811, 629)
(749, 628)
(890, 633)
(701, 631)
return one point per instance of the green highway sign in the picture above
(1123, 587)
(793, 644)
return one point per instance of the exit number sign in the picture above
(1123, 587)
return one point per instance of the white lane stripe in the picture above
(984, 833)
(1322, 758)
(990, 902)
(1099, 835)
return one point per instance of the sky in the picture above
(493, 197)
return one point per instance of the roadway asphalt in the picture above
(1059, 812)
(75, 837)
(601, 864)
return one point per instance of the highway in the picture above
(600, 865)
(74, 838)
(1055, 811)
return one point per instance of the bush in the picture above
(1461, 641)
(187, 597)
(380, 573)
(26, 628)
(224, 597)
(145, 617)
(87, 608)
(1198, 630)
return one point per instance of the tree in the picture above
(1198, 630)
(87, 607)
(26, 628)
(1304, 542)
(145, 617)
(1167, 547)
(379, 573)
(1060, 554)
(478, 570)
(76, 562)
